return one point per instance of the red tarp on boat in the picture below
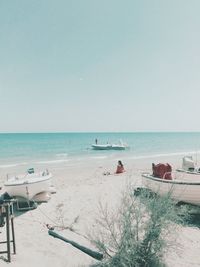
(162, 170)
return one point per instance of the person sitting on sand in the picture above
(120, 167)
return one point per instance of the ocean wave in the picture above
(12, 165)
(99, 157)
(166, 155)
(62, 155)
(52, 161)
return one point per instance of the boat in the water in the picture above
(120, 146)
(178, 188)
(101, 147)
(29, 184)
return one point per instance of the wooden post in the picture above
(13, 234)
(8, 231)
(94, 254)
(8, 214)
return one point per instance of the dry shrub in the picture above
(137, 234)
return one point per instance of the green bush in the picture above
(136, 235)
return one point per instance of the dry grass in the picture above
(137, 234)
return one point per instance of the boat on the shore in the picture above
(179, 189)
(29, 184)
(120, 146)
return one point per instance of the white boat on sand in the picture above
(28, 185)
(181, 190)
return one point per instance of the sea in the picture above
(56, 148)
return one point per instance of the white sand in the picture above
(80, 188)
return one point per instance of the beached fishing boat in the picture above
(29, 184)
(179, 189)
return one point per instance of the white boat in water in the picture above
(102, 147)
(120, 146)
(29, 184)
(181, 190)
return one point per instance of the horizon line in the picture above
(98, 132)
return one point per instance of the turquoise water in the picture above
(61, 147)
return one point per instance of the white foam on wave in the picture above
(166, 155)
(99, 157)
(8, 165)
(12, 165)
(52, 161)
(62, 155)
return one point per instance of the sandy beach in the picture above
(80, 189)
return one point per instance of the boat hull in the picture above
(179, 190)
(195, 172)
(102, 147)
(28, 187)
(108, 147)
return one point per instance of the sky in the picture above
(99, 65)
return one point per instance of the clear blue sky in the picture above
(99, 65)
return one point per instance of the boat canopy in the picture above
(188, 163)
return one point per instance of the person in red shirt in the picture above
(120, 167)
